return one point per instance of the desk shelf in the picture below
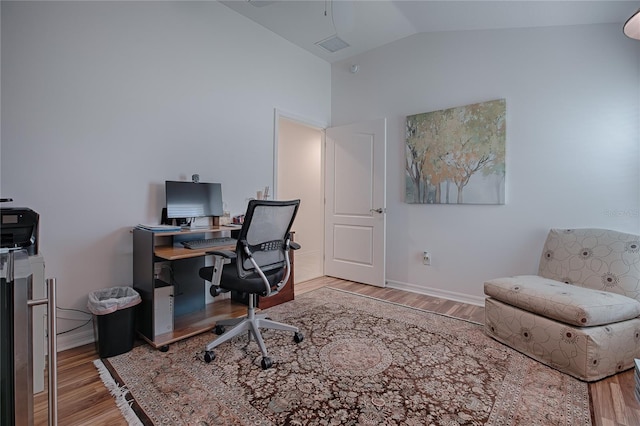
(198, 322)
(171, 252)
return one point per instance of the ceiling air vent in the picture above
(333, 44)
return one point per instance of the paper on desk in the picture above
(158, 228)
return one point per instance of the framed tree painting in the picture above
(457, 155)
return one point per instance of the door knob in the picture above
(379, 210)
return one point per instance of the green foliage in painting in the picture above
(446, 149)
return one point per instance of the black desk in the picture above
(191, 315)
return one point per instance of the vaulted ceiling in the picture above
(365, 25)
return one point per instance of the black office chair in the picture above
(260, 266)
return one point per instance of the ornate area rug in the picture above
(363, 362)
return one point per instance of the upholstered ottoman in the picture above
(580, 314)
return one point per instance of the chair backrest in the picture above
(265, 232)
(600, 259)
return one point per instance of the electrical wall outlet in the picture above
(426, 258)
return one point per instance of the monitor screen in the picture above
(193, 199)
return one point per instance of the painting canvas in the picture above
(457, 155)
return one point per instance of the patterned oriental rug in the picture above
(363, 362)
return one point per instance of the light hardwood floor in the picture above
(83, 399)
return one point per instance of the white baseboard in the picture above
(73, 340)
(436, 292)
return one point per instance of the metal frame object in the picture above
(19, 277)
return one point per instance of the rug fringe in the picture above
(119, 393)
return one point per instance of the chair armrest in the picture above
(227, 254)
(294, 246)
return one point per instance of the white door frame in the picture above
(317, 248)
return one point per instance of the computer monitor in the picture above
(193, 199)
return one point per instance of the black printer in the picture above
(19, 229)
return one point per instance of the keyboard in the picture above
(209, 242)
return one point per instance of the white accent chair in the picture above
(580, 313)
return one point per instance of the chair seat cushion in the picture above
(229, 279)
(567, 303)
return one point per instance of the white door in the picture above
(355, 202)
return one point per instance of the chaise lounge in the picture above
(580, 313)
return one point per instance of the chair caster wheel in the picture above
(209, 356)
(164, 348)
(219, 329)
(298, 337)
(266, 363)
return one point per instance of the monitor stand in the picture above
(200, 223)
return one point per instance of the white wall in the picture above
(572, 143)
(104, 101)
(300, 176)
